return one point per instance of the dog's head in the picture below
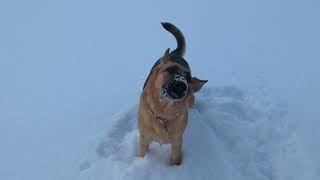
(173, 79)
(171, 74)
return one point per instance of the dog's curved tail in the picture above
(181, 44)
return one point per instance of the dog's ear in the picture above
(166, 54)
(196, 84)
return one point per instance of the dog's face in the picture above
(174, 80)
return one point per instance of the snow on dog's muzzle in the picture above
(176, 88)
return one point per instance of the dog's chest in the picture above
(170, 110)
(162, 121)
(164, 130)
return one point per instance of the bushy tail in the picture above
(181, 44)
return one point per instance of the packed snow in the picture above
(71, 73)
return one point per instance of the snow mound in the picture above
(231, 134)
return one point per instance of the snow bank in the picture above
(231, 135)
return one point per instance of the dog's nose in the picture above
(179, 86)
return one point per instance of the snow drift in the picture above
(231, 135)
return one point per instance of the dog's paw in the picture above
(143, 150)
(175, 162)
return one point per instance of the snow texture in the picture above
(229, 136)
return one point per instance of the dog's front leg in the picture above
(176, 157)
(144, 146)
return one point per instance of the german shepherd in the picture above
(167, 94)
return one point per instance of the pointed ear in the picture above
(196, 84)
(167, 52)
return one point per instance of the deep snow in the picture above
(230, 136)
(71, 73)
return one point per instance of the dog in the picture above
(167, 94)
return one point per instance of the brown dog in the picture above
(167, 94)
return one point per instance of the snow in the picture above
(71, 73)
(228, 137)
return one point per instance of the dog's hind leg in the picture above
(144, 146)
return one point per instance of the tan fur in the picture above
(176, 112)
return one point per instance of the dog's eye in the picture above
(172, 70)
